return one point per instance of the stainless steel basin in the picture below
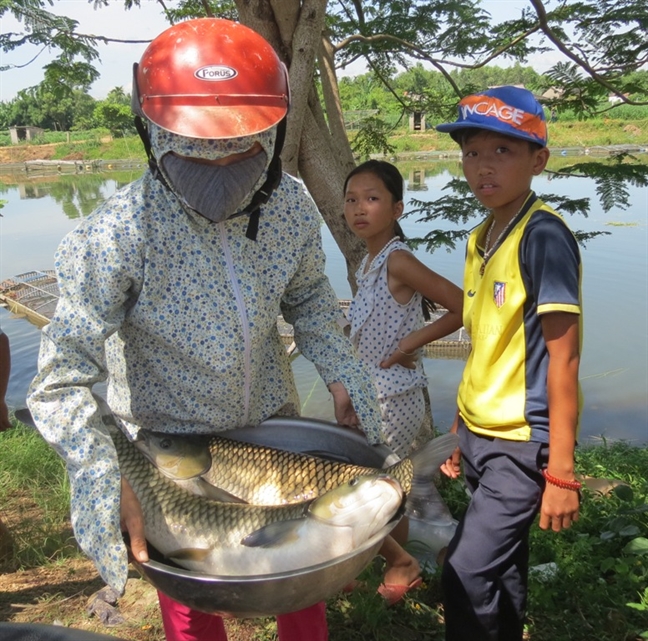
(262, 595)
(271, 594)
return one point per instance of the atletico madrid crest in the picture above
(499, 293)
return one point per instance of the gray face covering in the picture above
(215, 192)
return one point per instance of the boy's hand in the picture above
(132, 521)
(559, 508)
(452, 467)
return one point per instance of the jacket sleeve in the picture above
(311, 306)
(92, 304)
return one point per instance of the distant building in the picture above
(552, 94)
(613, 98)
(22, 134)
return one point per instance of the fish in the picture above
(263, 475)
(237, 539)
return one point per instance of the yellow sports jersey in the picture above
(535, 270)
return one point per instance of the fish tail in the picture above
(416, 472)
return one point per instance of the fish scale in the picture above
(269, 476)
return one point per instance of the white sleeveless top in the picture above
(379, 322)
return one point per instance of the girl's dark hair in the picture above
(393, 180)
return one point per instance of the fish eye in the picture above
(165, 443)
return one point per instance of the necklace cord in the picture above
(490, 250)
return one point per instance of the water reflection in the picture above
(77, 196)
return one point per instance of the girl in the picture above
(395, 294)
(388, 328)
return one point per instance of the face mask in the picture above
(215, 192)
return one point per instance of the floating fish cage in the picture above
(33, 295)
(455, 346)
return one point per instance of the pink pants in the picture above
(181, 623)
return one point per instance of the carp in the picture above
(268, 476)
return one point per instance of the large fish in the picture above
(233, 539)
(268, 476)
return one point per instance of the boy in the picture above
(518, 401)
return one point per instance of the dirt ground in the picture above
(66, 592)
(21, 153)
(63, 594)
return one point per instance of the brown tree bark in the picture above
(316, 149)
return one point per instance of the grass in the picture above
(598, 590)
(33, 481)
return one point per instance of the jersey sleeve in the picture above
(551, 263)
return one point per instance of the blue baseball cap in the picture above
(507, 110)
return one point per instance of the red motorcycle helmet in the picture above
(211, 78)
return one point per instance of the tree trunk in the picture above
(321, 170)
(320, 154)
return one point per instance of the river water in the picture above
(614, 366)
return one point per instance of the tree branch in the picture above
(548, 31)
(425, 56)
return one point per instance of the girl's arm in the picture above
(407, 275)
(561, 333)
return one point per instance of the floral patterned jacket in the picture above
(178, 315)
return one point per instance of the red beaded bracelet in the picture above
(561, 483)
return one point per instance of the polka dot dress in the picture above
(378, 323)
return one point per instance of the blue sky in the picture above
(139, 24)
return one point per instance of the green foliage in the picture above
(459, 206)
(72, 68)
(611, 178)
(41, 107)
(604, 554)
(117, 118)
(372, 138)
(187, 9)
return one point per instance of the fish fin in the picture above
(274, 534)
(188, 554)
(426, 461)
(216, 493)
(200, 487)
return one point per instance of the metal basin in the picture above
(279, 593)
(319, 438)
(261, 595)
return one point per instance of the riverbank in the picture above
(595, 137)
